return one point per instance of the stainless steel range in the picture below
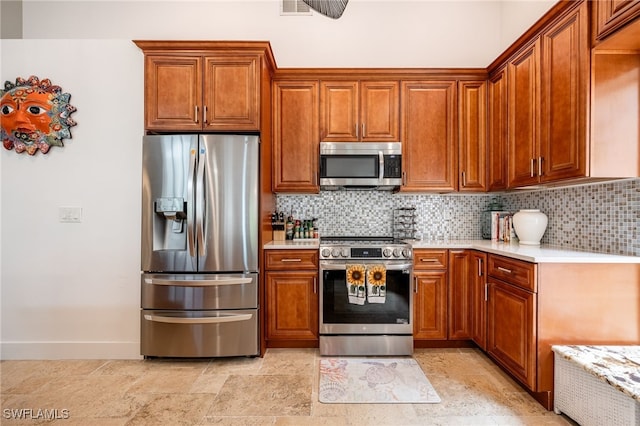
(366, 302)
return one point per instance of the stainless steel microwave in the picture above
(360, 165)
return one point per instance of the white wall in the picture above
(72, 290)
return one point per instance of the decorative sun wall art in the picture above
(35, 115)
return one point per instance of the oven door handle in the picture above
(342, 266)
(200, 320)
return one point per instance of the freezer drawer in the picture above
(199, 291)
(195, 334)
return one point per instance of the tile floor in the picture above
(279, 389)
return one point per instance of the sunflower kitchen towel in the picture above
(376, 283)
(355, 284)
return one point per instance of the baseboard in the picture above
(69, 350)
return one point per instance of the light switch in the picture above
(70, 214)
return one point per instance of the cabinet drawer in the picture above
(279, 260)
(430, 259)
(512, 271)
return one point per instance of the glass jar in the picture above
(485, 220)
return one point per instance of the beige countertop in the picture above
(536, 254)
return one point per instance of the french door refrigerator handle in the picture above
(202, 159)
(190, 201)
(198, 283)
(200, 320)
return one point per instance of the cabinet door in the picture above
(478, 280)
(472, 135)
(497, 146)
(379, 111)
(339, 106)
(565, 88)
(460, 302)
(430, 305)
(173, 93)
(428, 134)
(524, 100)
(231, 98)
(296, 136)
(612, 15)
(511, 337)
(292, 305)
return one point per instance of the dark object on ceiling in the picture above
(331, 8)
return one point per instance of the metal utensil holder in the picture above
(404, 223)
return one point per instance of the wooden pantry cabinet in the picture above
(430, 294)
(429, 136)
(295, 136)
(359, 111)
(291, 281)
(203, 86)
(497, 130)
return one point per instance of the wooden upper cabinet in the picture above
(173, 92)
(231, 92)
(565, 98)
(295, 136)
(472, 134)
(523, 73)
(611, 15)
(353, 111)
(192, 86)
(548, 92)
(497, 144)
(428, 134)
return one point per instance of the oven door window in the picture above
(336, 308)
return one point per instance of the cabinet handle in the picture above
(204, 115)
(196, 114)
(356, 127)
(404, 178)
(486, 292)
(428, 259)
(363, 128)
(479, 267)
(415, 284)
(464, 179)
(540, 166)
(315, 285)
(533, 173)
(500, 268)
(291, 260)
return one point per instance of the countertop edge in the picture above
(534, 254)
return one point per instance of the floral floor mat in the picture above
(374, 380)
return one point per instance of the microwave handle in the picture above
(381, 165)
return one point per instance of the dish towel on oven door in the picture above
(376, 283)
(356, 284)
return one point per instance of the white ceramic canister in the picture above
(530, 225)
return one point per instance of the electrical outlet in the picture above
(70, 214)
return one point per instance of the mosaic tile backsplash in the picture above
(601, 217)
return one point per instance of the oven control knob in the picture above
(406, 253)
(386, 252)
(335, 252)
(396, 252)
(345, 252)
(325, 252)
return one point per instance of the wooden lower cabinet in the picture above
(460, 302)
(478, 287)
(430, 294)
(511, 319)
(533, 306)
(291, 281)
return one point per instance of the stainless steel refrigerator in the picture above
(199, 282)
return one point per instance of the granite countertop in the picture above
(535, 254)
(618, 366)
